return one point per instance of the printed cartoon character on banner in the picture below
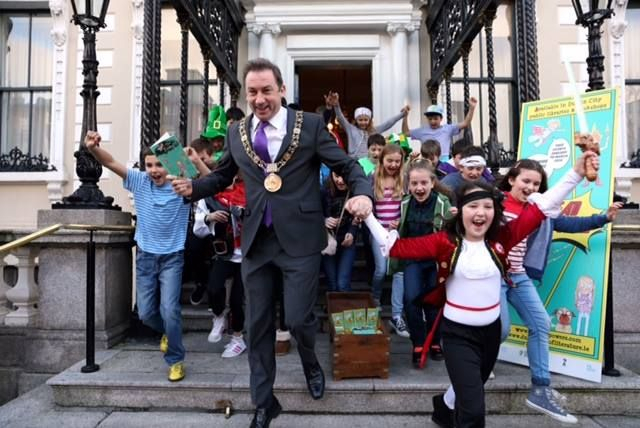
(562, 319)
(540, 134)
(585, 290)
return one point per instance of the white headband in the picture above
(362, 111)
(473, 161)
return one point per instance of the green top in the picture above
(367, 165)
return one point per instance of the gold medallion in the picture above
(272, 182)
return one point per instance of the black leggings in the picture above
(221, 270)
(470, 353)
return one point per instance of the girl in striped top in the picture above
(387, 189)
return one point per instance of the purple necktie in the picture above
(261, 146)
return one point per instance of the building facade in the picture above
(374, 53)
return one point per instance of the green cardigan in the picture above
(440, 215)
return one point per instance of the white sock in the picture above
(450, 398)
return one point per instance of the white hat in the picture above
(362, 111)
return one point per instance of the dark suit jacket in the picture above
(297, 215)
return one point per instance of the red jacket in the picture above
(445, 249)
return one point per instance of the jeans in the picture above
(419, 277)
(158, 286)
(338, 268)
(526, 301)
(397, 281)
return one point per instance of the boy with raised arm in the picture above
(160, 235)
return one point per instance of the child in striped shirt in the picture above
(160, 236)
(388, 190)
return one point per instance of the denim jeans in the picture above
(158, 286)
(338, 268)
(419, 277)
(397, 281)
(526, 301)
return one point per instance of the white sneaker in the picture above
(234, 348)
(219, 324)
(398, 324)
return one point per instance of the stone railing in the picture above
(19, 303)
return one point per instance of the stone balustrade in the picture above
(19, 304)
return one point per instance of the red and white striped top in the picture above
(387, 208)
(512, 209)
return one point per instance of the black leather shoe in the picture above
(263, 415)
(315, 381)
(442, 415)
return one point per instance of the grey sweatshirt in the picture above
(358, 137)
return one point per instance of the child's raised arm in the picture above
(92, 142)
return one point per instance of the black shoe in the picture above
(315, 381)
(435, 352)
(263, 415)
(416, 355)
(197, 295)
(442, 415)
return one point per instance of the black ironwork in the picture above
(90, 345)
(216, 24)
(491, 146)
(205, 86)
(634, 162)
(16, 161)
(465, 50)
(150, 118)
(452, 23)
(447, 86)
(592, 19)
(527, 51)
(88, 170)
(508, 158)
(184, 22)
(608, 364)
(221, 85)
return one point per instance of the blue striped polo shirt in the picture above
(162, 214)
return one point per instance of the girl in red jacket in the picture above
(472, 261)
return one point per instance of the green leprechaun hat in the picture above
(401, 140)
(217, 123)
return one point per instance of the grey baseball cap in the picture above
(434, 109)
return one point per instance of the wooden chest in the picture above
(358, 356)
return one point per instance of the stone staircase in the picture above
(133, 376)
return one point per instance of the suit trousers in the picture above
(266, 261)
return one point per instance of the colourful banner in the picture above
(574, 286)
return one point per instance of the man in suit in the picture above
(279, 152)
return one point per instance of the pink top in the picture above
(387, 208)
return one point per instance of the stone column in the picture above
(617, 25)
(267, 41)
(400, 66)
(63, 282)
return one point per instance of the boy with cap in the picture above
(442, 133)
(216, 130)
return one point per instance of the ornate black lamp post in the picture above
(591, 14)
(89, 15)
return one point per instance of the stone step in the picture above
(36, 409)
(133, 376)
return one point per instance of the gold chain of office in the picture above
(272, 182)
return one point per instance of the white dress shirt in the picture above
(275, 131)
